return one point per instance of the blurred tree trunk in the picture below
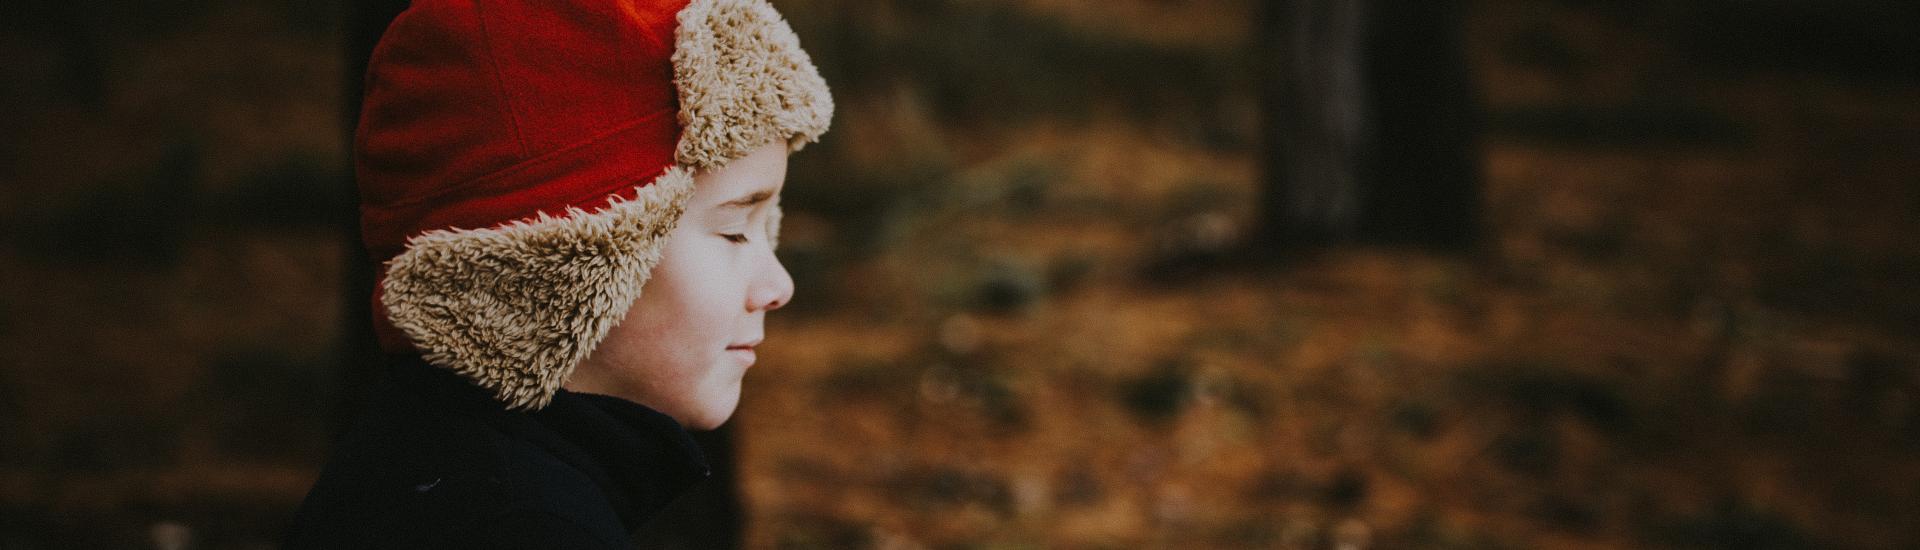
(708, 516)
(1369, 125)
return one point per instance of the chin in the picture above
(713, 416)
(709, 421)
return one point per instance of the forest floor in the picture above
(1692, 322)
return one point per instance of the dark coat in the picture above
(434, 462)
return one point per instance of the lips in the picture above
(744, 350)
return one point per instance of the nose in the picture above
(772, 286)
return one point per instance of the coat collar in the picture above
(641, 459)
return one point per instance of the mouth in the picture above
(744, 351)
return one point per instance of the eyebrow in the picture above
(747, 201)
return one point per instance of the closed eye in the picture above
(735, 238)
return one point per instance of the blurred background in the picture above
(1136, 273)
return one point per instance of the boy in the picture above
(526, 168)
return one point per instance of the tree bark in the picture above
(1368, 129)
(1426, 158)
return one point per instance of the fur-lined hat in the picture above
(521, 163)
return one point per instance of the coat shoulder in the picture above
(413, 475)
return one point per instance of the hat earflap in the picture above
(516, 307)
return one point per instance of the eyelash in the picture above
(735, 238)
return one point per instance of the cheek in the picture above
(709, 278)
(686, 311)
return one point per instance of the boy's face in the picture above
(688, 340)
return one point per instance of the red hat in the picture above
(521, 163)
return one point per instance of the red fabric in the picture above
(481, 112)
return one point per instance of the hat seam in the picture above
(499, 82)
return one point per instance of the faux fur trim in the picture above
(743, 82)
(515, 308)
